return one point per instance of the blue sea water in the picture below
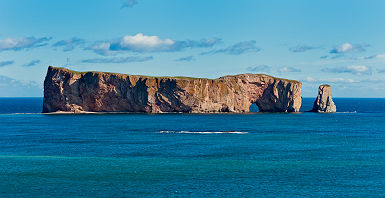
(161, 155)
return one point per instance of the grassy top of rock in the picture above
(162, 77)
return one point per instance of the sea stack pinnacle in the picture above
(324, 102)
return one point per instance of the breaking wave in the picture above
(347, 112)
(205, 132)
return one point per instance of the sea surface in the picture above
(193, 155)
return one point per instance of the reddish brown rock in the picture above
(71, 91)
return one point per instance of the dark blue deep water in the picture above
(147, 155)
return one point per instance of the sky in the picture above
(341, 43)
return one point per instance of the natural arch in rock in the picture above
(72, 91)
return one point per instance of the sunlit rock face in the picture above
(77, 92)
(324, 102)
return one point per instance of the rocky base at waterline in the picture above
(324, 102)
(77, 92)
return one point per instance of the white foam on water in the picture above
(205, 132)
(20, 113)
(347, 112)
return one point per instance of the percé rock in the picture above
(77, 92)
(324, 101)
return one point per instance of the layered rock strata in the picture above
(71, 91)
(324, 102)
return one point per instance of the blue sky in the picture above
(341, 43)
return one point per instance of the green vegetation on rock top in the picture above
(175, 77)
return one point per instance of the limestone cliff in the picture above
(324, 101)
(71, 91)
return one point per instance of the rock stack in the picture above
(324, 102)
(78, 92)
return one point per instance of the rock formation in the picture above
(71, 91)
(324, 101)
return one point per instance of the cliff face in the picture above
(70, 91)
(324, 101)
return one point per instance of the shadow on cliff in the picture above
(168, 97)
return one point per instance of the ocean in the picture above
(183, 155)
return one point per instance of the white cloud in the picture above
(342, 80)
(375, 56)
(128, 59)
(260, 69)
(5, 63)
(330, 80)
(374, 80)
(22, 43)
(144, 43)
(381, 70)
(129, 3)
(288, 70)
(69, 44)
(303, 48)
(102, 48)
(32, 63)
(186, 59)
(345, 47)
(348, 47)
(268, 69)
(140, 42)
(353, 69)
(10, 87)
(237, 48)
(359, 69)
